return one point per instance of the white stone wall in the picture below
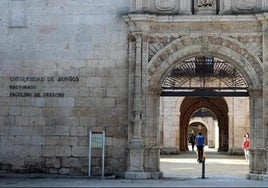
(83, 40)
(239, 123)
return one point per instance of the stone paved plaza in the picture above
(179, 171)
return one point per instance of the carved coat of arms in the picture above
(245, 4)
(165, 4)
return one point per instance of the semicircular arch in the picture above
(217, 105)
(224, 48)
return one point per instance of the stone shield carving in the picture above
(245, 4)
(165, 4)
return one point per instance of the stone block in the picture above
(61, 140)
(64, 171)
(34, 152)
(66, 102)
(22, 140)
(39, 102)
(78, 131)
(16, 131)
(37, 121)
(31, 111)
(36, 131)
(265, 178)
(52, 162)
(136, 175)
(98, 92)
(71, 121)
(37, 140)
(4, 111)
(93, 82)
(22, 121)
(15, 111)
(56, 130)
(17, 13)
(51, 112)
(87, 121)
(48, 151)
(84, 92)
(71, 162)
(83, 141)
(80, 151)
(109, 102)
(53, 170)
(4, 130)
(63, 151)
(84, 102)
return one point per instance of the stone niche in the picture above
(243, 6)
(161, 6)
(246, 6)
(206, 7)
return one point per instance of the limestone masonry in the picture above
(69, 67)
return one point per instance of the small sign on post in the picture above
(96, 140)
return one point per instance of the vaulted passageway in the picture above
(217, 105)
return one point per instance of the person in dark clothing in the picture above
(192, 141)
(200, 143)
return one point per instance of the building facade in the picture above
(69, 67)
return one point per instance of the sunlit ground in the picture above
(217, 164)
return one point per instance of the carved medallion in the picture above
(165, 4)
(245, 4)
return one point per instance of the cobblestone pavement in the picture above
(221, 170)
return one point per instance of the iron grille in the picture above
(204, 72)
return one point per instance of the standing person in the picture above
(245, 146)
(199, 141)
(192, 141)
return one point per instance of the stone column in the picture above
(265, 89)
(152, 148)
(257, 135)
(136, 145)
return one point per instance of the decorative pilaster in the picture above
(265, 88)
(136, 143)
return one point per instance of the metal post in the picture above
(203, 169)
(89, 153)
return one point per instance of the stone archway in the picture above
(217, 105)
(144, 131)
(226, 49)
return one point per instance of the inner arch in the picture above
(216, 105)
(204, 72)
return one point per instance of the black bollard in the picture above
(203, 169)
